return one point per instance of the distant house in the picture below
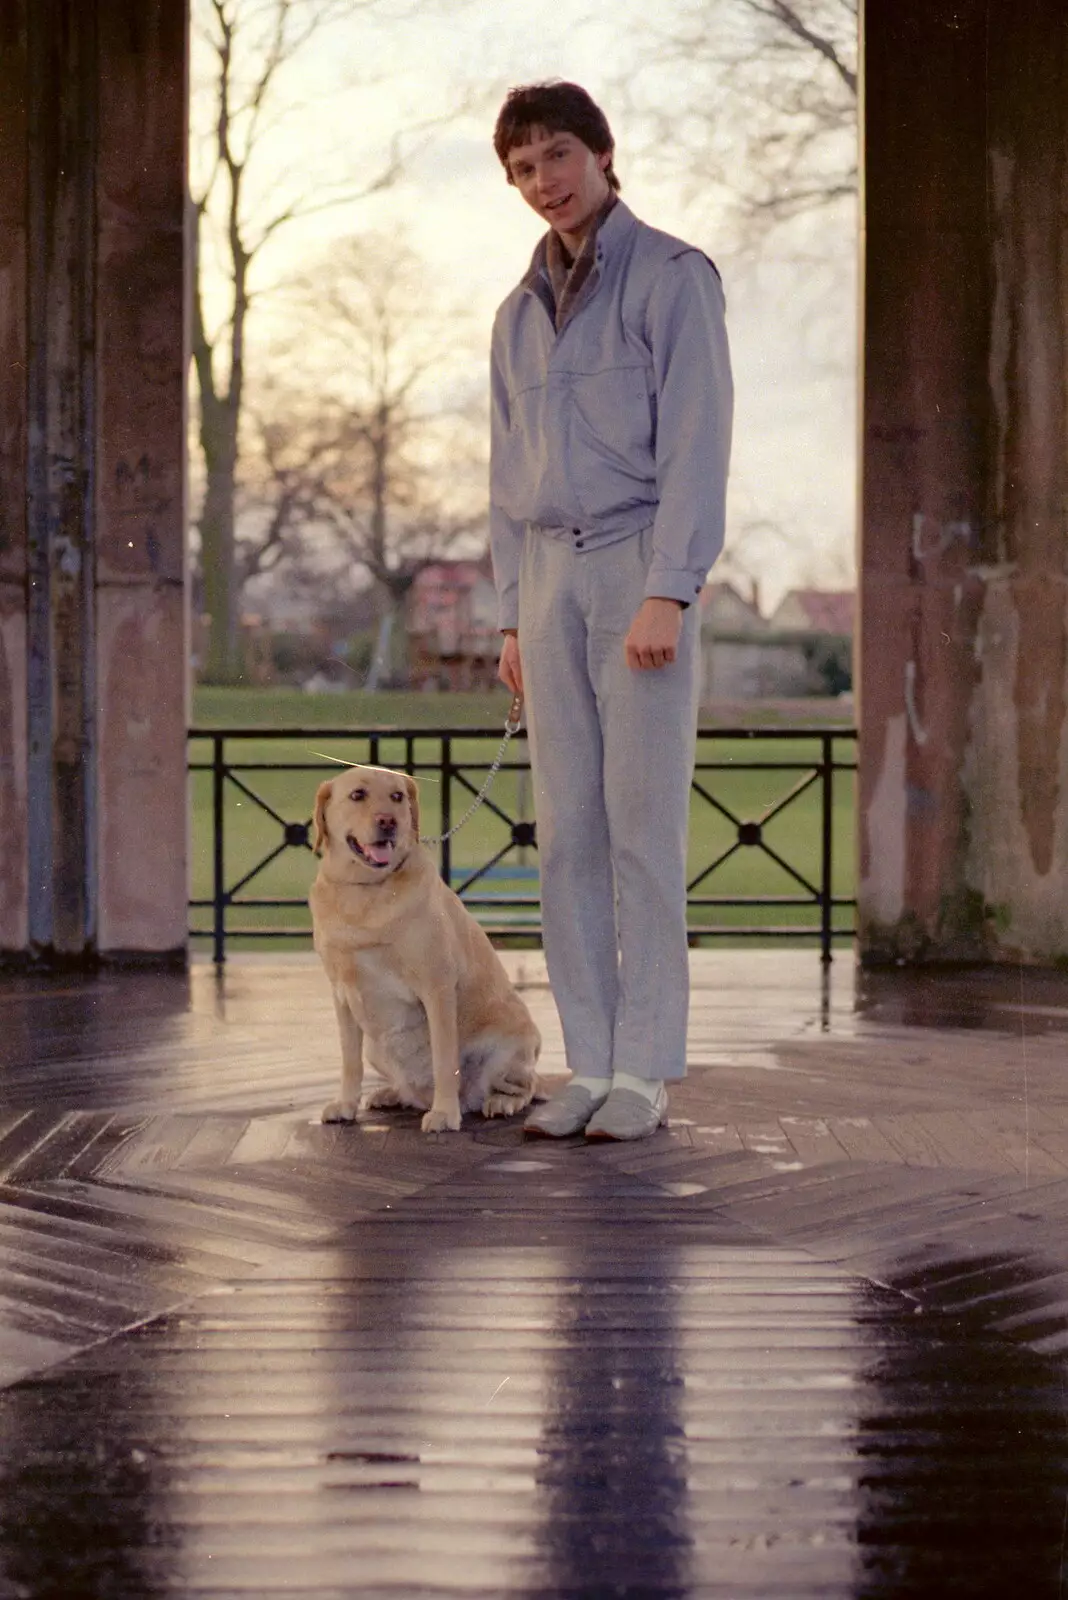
(724, 610)
(453, 639)
(735, 666)
(803, 649)
(823, 621)
(829, 611)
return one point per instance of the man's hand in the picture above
(510, 668)
(654, 634)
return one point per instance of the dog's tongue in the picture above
(378, 853)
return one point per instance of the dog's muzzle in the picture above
(376, 853)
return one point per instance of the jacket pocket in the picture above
(614, 436)
(614, 411)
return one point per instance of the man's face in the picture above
(561, 179)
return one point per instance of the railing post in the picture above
(446, 807)
(218, 780)
(827, 808)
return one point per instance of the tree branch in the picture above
(779, 11)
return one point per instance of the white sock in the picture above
(648, 1088)
(598, 1087)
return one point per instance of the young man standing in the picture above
(611, 421)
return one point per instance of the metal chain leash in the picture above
(511, 727)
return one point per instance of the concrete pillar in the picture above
(92, 515)
(964, 508)
(14, 931)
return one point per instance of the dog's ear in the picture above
(413, 801)
(322, 800)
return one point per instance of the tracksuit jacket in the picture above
(620, 421)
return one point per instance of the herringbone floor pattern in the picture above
(805, 1341)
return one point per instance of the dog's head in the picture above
(367, 822)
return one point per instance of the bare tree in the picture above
(244, 93)
(747, 109)
(373, 443)
(754, 99)
(754, 543)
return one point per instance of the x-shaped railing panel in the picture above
(438, 752)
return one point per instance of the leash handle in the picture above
(515, 712)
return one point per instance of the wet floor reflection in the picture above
(500, 1405)
(613, 1470)
(963, 1488)
(366, 1424)
(1005, 1000)
(83, 1041)
(82, 1493)
(428, 1443)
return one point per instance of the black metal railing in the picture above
(494, 887)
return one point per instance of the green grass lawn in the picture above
(257, 803)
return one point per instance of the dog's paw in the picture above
(339, 1111)
(505, 1105)
(442, 1121)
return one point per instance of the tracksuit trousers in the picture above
(612, 753)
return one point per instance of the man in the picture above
(611, 415)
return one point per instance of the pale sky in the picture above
(791, 321)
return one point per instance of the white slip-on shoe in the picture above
(628, 1115)
(566, 1113)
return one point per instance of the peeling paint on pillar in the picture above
(143, 855)
(13, 820)
(141, 554)
(884, 875)
(93, 364)
(965, 492)
(1028, 903)
(58, 158)
(13, 921)
(1029, 377)
(1018, 765)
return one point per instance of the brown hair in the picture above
(558, 108)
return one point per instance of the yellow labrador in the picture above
(419, 991)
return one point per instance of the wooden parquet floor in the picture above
(808, 1340)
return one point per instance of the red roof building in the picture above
(454, 642)
(817, 611)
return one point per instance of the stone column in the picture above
(964, 508)
(14, 925)
(92, 446)
(141, 596)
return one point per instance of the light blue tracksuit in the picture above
(610, 445)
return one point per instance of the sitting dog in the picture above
(419, 991)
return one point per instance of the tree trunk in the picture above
(380, 656)
(219, 418)
(222, 663)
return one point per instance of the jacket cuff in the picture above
(673, 583)
(508, 610)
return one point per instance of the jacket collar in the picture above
(616, 228)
